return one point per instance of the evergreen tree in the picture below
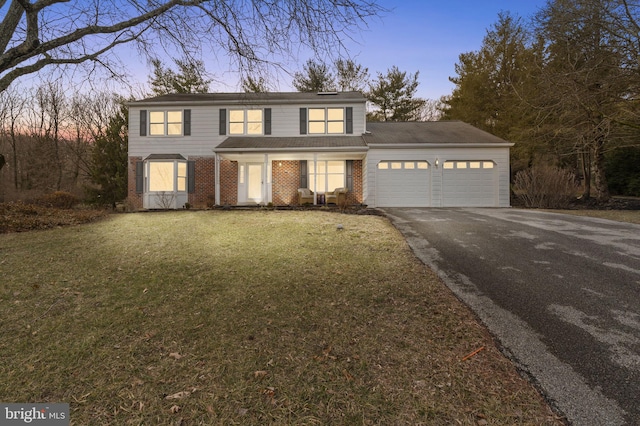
(108, 167)
(189, 78)
(351, 77)
(493, 81)
(394, 95)
(253, 85)
(314, 77)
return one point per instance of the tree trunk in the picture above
(586, 175)
(600, 179)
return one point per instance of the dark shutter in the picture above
(304, 175)
(139, 177)
(303, 121)
(186, 116)
(143, 122)
(191, 177)
(267, 121)
(349, 175)
(223, 121)
(349, 121)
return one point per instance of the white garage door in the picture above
(402, 184)
(469, 184)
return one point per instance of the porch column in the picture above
(315, 179)
(265, 180)
(217, 179)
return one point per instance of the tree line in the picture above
(564, 86)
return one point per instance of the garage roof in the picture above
(428, 132)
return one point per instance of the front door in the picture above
(255, 182)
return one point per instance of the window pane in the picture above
(236, 115)
(322, 167)
(254, 115)
(182, 183)
(174, 116)
(156, 129)
(156, 117)
(335, 181)
(316, 114)
(322, 179)
(316, 127)
(409, 165)
(461, 165)
(236, 128)
(335, 127)
(474, 165)
(396, 165)
(160, 176)
(334, 114)
(487, 165)
(335, 166)
(424, 165)
(254, 128)
(174, 129)
(383, 165)
(448, 165)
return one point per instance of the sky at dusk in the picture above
(428, 36)
(415, 35)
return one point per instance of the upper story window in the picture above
(245, 122)
(326, 121)
(167, 123)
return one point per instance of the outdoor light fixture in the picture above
(436, 163)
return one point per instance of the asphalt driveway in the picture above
(561, 293)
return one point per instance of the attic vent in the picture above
(327, 93)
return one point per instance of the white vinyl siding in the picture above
(285, 121)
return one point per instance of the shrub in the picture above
(58, 200)
(545, 187)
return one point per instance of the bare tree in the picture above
(37, 34)
(12, 104)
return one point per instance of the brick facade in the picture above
(134, 200)
(355, 196)
(285, 182)
(205, 185)
(228, 183)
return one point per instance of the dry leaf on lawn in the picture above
(260, 374)
(178, 395)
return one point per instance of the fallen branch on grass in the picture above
(474, 353)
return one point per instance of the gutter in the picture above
(419, 145)
(301, 149)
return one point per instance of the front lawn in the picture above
(265, 317)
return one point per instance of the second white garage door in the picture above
(469, 184)
(403, 184)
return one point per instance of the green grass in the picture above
(251, 318)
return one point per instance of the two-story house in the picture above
(260, 148)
